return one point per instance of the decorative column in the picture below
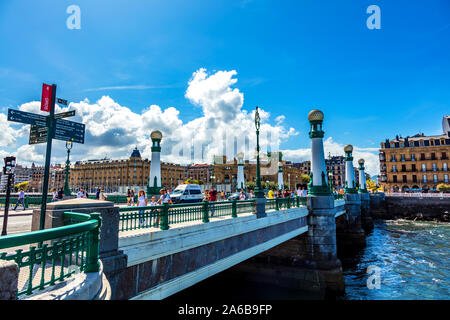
(154, 180)
(318, 247)
(367, 222)
(240, 173)
(280, 172)
(350, 234)
(318, 183)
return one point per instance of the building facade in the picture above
(55, 181)
(415, 163)
(114, 175)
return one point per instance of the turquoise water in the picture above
(413, 260)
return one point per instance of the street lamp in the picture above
(259, 193)
(67, 191)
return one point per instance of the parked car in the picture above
(234, 196)
(186, 193)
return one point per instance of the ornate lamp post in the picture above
(67, 191)
(259, 193)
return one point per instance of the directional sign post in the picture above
(45, 129)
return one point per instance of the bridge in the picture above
(156, 251)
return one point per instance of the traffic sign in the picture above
(38, 134)
(69, 131)
(27, 117)
(61, 101)
(65, 114)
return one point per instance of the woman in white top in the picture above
(142, 202)
(54, 195)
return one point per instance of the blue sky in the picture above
(290, 57)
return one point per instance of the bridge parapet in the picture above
(168, 261)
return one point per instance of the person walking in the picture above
(97, 194)
(61, 194)
(142, 202)
(20, 199)
(212, 198)
(242, 195)
(54, 195)
(132, 195)
(101, 195)
(271, 194)
(251, 195)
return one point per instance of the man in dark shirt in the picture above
(61, 194)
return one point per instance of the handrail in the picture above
(19, 239)
(74, 245)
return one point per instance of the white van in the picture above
(185, 193)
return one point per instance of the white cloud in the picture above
(333, 148)
(224, 127)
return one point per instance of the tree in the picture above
(442, 187)
(304, 178)
(250, 185)
(22, 185)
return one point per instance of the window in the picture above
(394, 178)
(404, 179)
(422, 156)
(444, 156)
(402, 157)
(421, 143)
(446, 178)
(435, 177)
(414, 178)
(413, 167)
(444, 166)
(427, 143)
(437, 142)
(393, 157)
(433, 156)
(403, 168)
(424, 167)
(434, 167)
(425, 178)
(394, 168)
(413, 157)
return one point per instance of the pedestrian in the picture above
(20, 199)
(212, 198)
(61, 194)
(242, 195)
(132, 196)
(97, 194)
(85, 195)
(101, 195)
(251, 194)
(54, 195)
(80, 193)
(128, 197)
(142, 202)
(270, 194)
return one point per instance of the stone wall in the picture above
(411, 208)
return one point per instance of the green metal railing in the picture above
(52, 255)
(132, 218)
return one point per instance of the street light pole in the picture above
(67, 191)
(259, 193)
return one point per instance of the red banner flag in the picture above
(46, 99)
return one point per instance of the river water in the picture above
(412, 260)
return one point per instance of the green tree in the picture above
(304, 178)
(442, 187)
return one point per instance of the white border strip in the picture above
(180, 283)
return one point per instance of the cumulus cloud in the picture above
(224, 127)
(333, 148)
